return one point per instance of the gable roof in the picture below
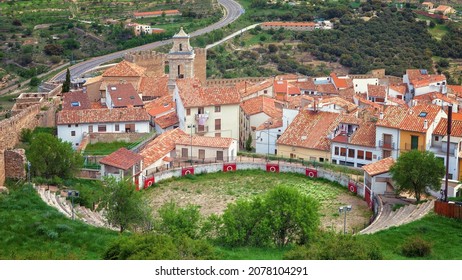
(153, 86)
(160, 105)
(134, 114)
(326, 89)
(76, 100)
(310, 130)
(363, 136)
(377, 91)
(340, 83)
(160, 146)
(205, 141)
(455, 89)
(125, 69)
(124, 95)
(392, 116)
(167, 120)
(379, 167)
(401, 88)
(429, 97)
(456, 128)
(122, 159)
(261, 104)
(421, 78)
(193, 94)
(416, 116)
(246, 90)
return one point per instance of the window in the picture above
(201, 153)
(217, 109)
(360, 154)
(321, 159)
(68, 125)
(184, 152)
(200, 110)
(117, 128)
(72, 133)
(368, 155)
(217, 134)
(265, 91)
(201, 128)
(219, 155)
(343, 152)
(101, 128)
(437, 138)
(351, 153)
(336, 151)
(75, 104)
(386, 153)
(188, 111)
(293, 155)
(90, 128)
(217, 124)
(76, 144)
(77, 125)
(181, 47)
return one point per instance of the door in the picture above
(201, 154)
(387, 141)
(184, 152)
(414, 142)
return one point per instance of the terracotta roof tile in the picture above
(160, 146)
(326, 89)
(379, 167)
(154, 86)
(392, 116)
(347, 94)
(125, 69)
(274, 123)
(167, 120)
(93, 80)
(249, 89)
(429, 97)
(307, 84)
(194, 95)
(419, 78)
(310, 130)
(456, 128)
(400, 88)
(456, 90)
(124, 95)
(122, 159)
(299, 101)
(280, 86)
(377, 91)
(416, 116)
(339, 101)
(134, 114)
(261, 104)
(442, 8)
(205, 141)
(76, 100)
(340, 83)
(160, 106)
(364, 135)
(396, 101)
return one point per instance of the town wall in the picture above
(232, 82)
(15, 162)
(2, 168)
(153, 62)
(200, 64)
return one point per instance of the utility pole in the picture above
(447, 153)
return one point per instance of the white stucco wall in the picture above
(380, 130)
(360, 85)
(375, 154)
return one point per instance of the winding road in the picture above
(233, 10)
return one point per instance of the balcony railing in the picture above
(201, 129)
(387, 145)
(205, 116)
(408, 147)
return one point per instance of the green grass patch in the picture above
(91, 191)
(444, 234)
(438, 31)
(251, 253)
(33, 230)
(105, 148)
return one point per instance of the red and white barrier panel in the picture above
(149, 182)
(312, 173)
(352, 187)
(229, 167)
(187, 171)
(271, 167)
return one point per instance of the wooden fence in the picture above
(450, 210)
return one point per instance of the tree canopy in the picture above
(415, 170)
(67, 82)
(50, 156)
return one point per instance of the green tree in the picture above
(49, 157)
(34, 81)
(177, 221)
(125, 206)
(67, 82)
(415, 170)
(248, 143)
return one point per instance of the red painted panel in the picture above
(137, 183)
(367, 197)
(312, 173)
(149, 182)
(352, 187)
(272, 167)
(229, 167)
(187, 171)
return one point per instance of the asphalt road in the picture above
(233, 10)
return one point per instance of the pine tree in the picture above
(67, 82)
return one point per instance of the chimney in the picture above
(381, 116)
(425, 124)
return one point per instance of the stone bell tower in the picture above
(180, 59)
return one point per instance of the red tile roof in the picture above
(363, 136)
(307, 84)
(261, 104)
(418, 79)
(134, 114)
(310, 130)
(340, 83)
(205, 141)
(396, 101)
(280, 86)
(193, 94)
(442, 8)
(249, 89)
(456, 90)
(379, 167)
(326, 89)
(414, 119)
(125, 69)
(76, 100)
(429, 97)
(274, 123)
(340, 102)
(160, 146)
(392, 116)
(400, 88)
(122, 159)
(167, 120)
(124, 95)
(377, 91)
(347, 94)
(456, 128)
(154, 86)
(160, 106)
(299, 101)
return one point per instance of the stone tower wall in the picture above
(200, 65)
(154, 62)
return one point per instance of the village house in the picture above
(436, 98)
(360, 84)
(121, 96)
(76, 100)
(203, 148)
(266, 136)
(295, 26)
(73, 125)
(283, 88)
(427, 5)
(420, 82)
(444, 10)
(249, 91)
(377, 176)
(122, 164)
(166, 122)
(377, 94)
(207, 111)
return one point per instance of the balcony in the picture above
(201, 129)
(408, 147)
(202, 116)
(387, 145)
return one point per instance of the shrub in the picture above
(177, 221)
(416, 247)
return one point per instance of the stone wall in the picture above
(232, 82)
(200, 64)
(15, 162)
(112, 137)
(10, 128)
(2, 167)
(153, 62)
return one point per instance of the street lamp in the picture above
(267, 124)
(73, 194)
(191, 126)
(344, 209)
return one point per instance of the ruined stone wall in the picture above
(200, 64)
(2, 167)
(154, 62)
(15, 161)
